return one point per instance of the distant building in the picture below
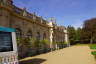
(30, 25)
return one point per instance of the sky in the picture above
(66, 12)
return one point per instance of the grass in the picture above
(82, 44)
(92, 46)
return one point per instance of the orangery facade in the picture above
(28, 25)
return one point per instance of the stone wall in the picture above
(29, 25)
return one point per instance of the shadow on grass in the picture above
(33, 61)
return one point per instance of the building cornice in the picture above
(11, 10)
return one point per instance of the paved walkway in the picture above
(71, 55)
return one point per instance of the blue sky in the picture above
(66, 12)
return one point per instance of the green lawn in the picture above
(92, 46)
(82, 44)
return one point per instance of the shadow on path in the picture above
(33, 61)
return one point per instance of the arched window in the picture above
(38, 36)
(18, 33)
(29, 34)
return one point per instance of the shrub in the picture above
(45, 42)
(43, 45)
(93, 46)
(37, 43)
(29, 43)
(18, 41)
(93, 52)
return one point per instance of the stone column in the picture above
(51, 38)
(66, 38)
(51, 34)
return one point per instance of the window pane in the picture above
(5, 42)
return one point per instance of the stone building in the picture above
(29, 25)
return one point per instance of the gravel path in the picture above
(71, 55)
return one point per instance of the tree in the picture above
(89, 28)
(79, 33)
(81, 36)
(72, 34)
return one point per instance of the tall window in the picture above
(38, 36)
(44, 36)
(1, 12)
(29, 34)
(18, 33)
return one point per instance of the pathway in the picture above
(71, 55)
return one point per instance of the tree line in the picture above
(84, 35)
